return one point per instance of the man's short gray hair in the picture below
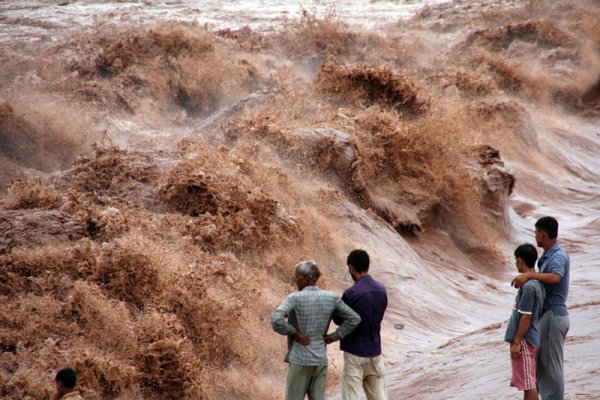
(309, 269)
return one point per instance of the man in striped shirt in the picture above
(309, 312)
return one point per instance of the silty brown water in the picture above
(164, 176)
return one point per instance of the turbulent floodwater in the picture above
(262, 15)
(165, 164)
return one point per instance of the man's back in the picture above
(310, 311)
(556, 261)
(368, 298)
(529, 300)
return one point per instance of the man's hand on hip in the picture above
(303, 340)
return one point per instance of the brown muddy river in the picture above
(164, 165)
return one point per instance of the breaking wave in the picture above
(152, 265)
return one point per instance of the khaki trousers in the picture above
(306, 380)
(363, 373)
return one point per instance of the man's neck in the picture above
(308, 286)
(548, 246)
(360, 275)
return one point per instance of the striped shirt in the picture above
(310, 311)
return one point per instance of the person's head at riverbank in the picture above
(525, 258)
(304, 317)
(66, 379)
(358, 264)
(554, 268)
(306, 273)
(546, 232)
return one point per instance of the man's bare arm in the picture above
(548, 279)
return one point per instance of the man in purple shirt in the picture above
(363, 364)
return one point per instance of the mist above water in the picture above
(164, 166)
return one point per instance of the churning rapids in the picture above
(163, 165)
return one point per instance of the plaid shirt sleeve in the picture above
(278, 317)
(350, 319)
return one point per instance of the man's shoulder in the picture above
(368, 292)
(367, 284)
(72, 396)
(320, 292)
(562, 256)
(327, 293)
(316, 292)
(559, 253)
(379, 285)
(532, 285)
(558, 261)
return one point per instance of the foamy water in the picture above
(262, 15)
(195, 226)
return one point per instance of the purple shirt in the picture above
(369, 299)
